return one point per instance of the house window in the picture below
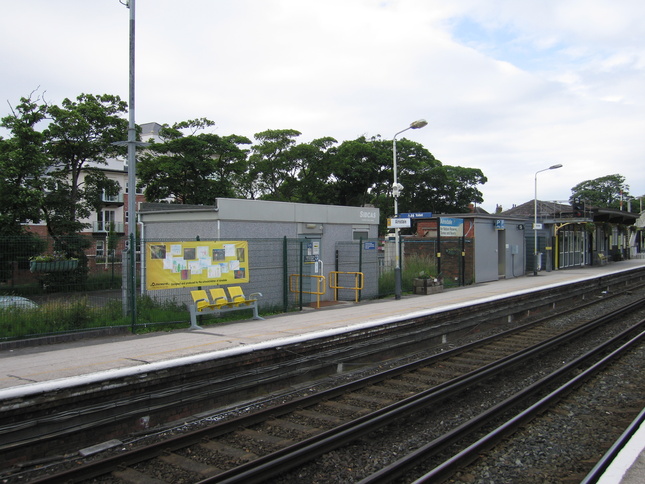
(100, 248)
(104, 219)
(139, 189)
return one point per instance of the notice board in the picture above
(172, 265)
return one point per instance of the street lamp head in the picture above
(555, 166)
(419, 123)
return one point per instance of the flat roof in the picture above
(259, 211)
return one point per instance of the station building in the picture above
(288, 251)
(469, 248)
(577, 235)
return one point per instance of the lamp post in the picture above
(396, 190)
(535, 237)
(132, 143)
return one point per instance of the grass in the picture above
(413, 267)
(78, 314)
(57, 317)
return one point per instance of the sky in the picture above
(510, 87)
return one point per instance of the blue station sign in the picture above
(451, 227)
(416, 215)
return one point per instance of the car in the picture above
(16, 302)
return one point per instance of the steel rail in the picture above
(346, 432)
(405, 464)
(285, 459)
(596, 473)
(20, 433)
(469, 454)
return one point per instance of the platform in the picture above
(39, 368)
(33, 365)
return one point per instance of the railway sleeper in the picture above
(229, 451)
(190, 465)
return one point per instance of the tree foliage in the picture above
(50, 172)
(23, 164)
(604, 192)
(193, 168)
(51, 167)
(80, 138)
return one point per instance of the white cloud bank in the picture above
(510, 87)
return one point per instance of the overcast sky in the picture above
(507, 86)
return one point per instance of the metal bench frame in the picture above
(220, 306)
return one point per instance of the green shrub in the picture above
(413, 266)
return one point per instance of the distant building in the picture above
(574, 236)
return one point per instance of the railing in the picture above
(294, 286)
(112, 198)
(358, 283)
(99, 226)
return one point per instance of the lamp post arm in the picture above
(394, 165)
(535, 214)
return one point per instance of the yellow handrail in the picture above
(294, 286)
(333, 283)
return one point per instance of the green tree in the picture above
(604, 192)
(23, 164)
(80, 138)
(53, 172)
(192, 168)
(430, 186)
(359, 171)
(309, 180)
(363, 174)
(272, 164)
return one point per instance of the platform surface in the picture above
(31, 365)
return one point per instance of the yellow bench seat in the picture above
(218, 301)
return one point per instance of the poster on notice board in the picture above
(172, 265)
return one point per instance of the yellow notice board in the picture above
(172, 265)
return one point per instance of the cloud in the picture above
(508, 87)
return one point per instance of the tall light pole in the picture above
(396, 190)
(132, 143)
(535, 228)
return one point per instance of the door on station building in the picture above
(312, 269)
(572, 243)
(501, 254)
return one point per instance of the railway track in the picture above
(499, 435)
(269, 443)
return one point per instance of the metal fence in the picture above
(83, 289)
(450, 259)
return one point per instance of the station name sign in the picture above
(451, 227)
(398, 223)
